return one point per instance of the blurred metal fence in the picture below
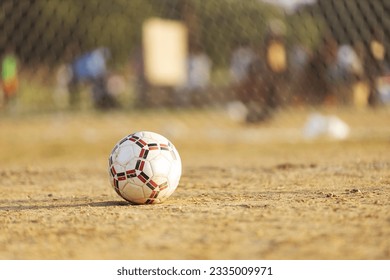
(252, 55)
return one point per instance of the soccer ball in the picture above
(144, 168)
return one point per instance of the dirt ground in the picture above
(247, 191)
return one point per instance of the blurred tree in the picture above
(44, 31)
(47, 31)
(305, 28)
(224, 23)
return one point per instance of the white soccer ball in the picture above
(144, 168)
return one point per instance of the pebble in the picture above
(355, 191)
(330, 195)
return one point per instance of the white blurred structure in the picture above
(332, 127)
(165, 51)
(237, 111)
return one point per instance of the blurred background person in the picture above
(242, 56)
(194, 90)
(260, 86)
(316, 82)
(9, 76)
(92, 68)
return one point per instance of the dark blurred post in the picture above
(275, 54)
(141, 83)
(374, 64)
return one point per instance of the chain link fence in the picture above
(251, 57)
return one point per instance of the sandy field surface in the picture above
(247, 191)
